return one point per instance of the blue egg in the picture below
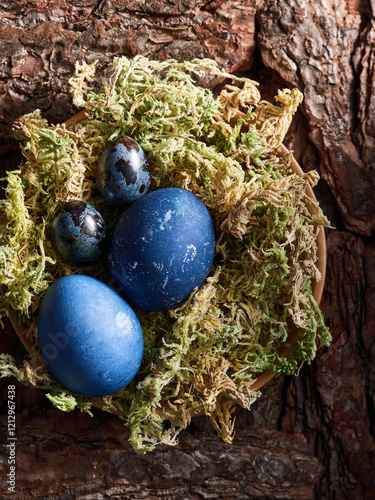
(122, 174)
(89, 336)
(161, 248)
(78, 233)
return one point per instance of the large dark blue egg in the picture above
(122, 174)
(89, 336)
(161, 248)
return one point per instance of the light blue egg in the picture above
(89, 336)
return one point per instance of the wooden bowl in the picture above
(294, 332)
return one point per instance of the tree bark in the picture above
(310, 436)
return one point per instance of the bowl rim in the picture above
(294, 332)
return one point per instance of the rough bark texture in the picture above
(310, 436)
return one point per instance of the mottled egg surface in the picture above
(122, 174)
(161, 248)
(78, 233)
(89, 336)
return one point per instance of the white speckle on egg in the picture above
(165, 281)
(123, 321)
(166, 218)
(158, 266)
(190, 255)
(133, 266)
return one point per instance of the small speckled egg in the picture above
(78, 233)
(89, 336)
(161, 248)
(122, 174)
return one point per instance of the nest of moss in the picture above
(204, 356)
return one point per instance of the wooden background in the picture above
(310, 436)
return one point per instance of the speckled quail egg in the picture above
(122, 174)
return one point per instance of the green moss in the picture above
(205, 355)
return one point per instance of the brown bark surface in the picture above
(310, 436)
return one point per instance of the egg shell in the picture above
(161, 248)
(89, 336)
(122, 174)
(78, 233)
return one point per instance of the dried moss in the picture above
(204, 355)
